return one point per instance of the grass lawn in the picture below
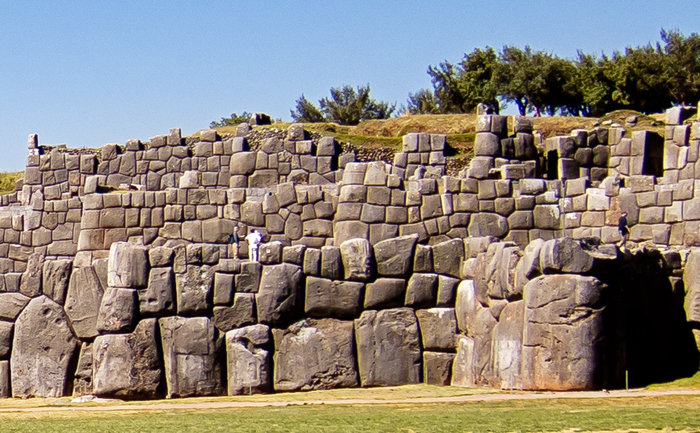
(634, 413)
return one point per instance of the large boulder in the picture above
(117, 311)
(357, 259)
(55, 277)
(315, 354)
(241, 313)
(448, 256)
(83, 302)
(564, 255)
(507, 347)
(388, 347)
(463, 363)
(30, 284)
(438, 327)
(529, 265)
(128, 265)
(563, 334)
(279, 296)
(43, 350)
(395, 256)
(192, 355)
(194, 290)
(327, 298)
(466, 305)
(157, 298)
(437, 368)
(11, 304)
(385, 293)
(83, 383)
(127, 365)
(248, 360)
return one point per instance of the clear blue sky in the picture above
(86, 73)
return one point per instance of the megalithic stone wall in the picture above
(387, 273)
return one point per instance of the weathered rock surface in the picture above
(248, 360)
(691, 279)
(463, 363)
(438, 328)
(357, 259)
(507, 346)
(326, 298)
(279, 297)
(564, 255)
(156, 299)
(395, 256)
(388, 347)
(385, 293)
(192, 355)
(315, 354)
(43, 349)
(83, 384)
(31, 278)
(128, 365)
(194, 290)
(563, 333)
(437, 368)
(83, 302)
(128, 265)
(117, 310)
(55, 277)
(11, 304)
(241, 313)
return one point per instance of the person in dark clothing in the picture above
(233, 240)
(623, 228)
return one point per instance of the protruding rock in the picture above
(395, 256)
(357, 259)
(564, 255)
(315, 354)
(279, 297)
(83, 302)
(248, 361)
(388, 347)
(192, 354)
(31, 278)
(43, 349)
(448, 256)
(128, 265)
(127, 365)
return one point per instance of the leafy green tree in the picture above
(682, 66)
(306, 111)
(423, 102)
(235, 119)
(638, 74)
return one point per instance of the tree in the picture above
(346, 106)
(682, 66)
(235, 119)
(423, 102)
(306, 112)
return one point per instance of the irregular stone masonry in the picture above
(144, 228)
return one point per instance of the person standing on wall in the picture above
(254, 238)
(623, 228)
(233, 240)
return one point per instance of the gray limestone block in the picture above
(422, 290)
(601, 154)
(447, 257)
(6, 329)
(382, 232)
(326, 147)
(43, 348)
(529, 265)
(193, 290)
(383, 361)
(479, 167)
(318, 228)
(265, 178)
(156, 299)
(128, 265)
(83, 301)
(327, 298)
(553, 307)
(385, 293)
(345, 230)
(447, 287)
(394, 257)
(312, 262)
(565, 255)
(242, 163)
(160, 256)
(358, 259)
(584, 156)
(315, 354)
(331, 263)
(55, 277)
(522, 124)
(270, 253)
(193, 357)
(487, 224)
(691, 280)
(437, 368)
(423, 261)
(248, 362)
(564, 146)
(547, 216)
(438, 328)
(83, 383)
(279, 297)
(223, 289)
(294, 254)
(507, 347)
(30, 284)
(241, 313)
(248, 280)
(117, 310)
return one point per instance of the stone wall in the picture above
(370, 273)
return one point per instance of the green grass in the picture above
(692, 382)
(675, 413)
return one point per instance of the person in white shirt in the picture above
(254, 238)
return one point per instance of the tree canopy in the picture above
(346, 106)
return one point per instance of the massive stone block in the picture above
(563, 334)
(438, 327)
(691, 279)
(241, 313)
(315, 354)
(395, 256)
(192, 355)
(385, 293)
(448, 256)
(279, 299)
(507, 347)
(388, 347)
(194, 289)
(357, 259)
(11, 304)
(157, 298)
(327, 298)
(128, 265)
(83, 383)
(437, 368)
(55, 277)
(127, 365)
(248, 360)
(83, 302)
(43, 349)
(117, 310)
